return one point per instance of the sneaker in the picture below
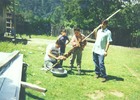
(104, 79)
(71, 66)
(79, 71)
(97, 76)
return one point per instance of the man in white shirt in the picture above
(103, 39)
(52, 55)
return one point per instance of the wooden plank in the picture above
(7, 59)
(10, 86)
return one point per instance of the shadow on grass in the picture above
(110, 77)
(34, 97)
(74, 71)
(88, 71)
(15, 41)
(22, 91)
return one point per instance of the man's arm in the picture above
(95, 34)
(96, 30)
(59, 57)
(106, 49)
(68, 41)
(51, 55)
(83, 43)
(74, 42)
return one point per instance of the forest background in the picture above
(50, 16)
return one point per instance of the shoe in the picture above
(104, 79)
(71, 66)
(79, 71)
(97, 76)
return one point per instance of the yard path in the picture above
(38, 41)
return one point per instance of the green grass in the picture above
(122, 65)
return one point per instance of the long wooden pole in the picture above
(100, 25)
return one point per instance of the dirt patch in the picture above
(117, 93)
(96, 95)
(132, 72)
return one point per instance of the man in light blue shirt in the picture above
(103, 39)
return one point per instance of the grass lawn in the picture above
(122, 65)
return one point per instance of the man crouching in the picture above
(52, 55)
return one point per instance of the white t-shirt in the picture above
(103, 37)
(55, 51)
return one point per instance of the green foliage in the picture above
(48, 16)
(85, 14)
(5, 2)
(136, 33)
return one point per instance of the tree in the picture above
(86, 14)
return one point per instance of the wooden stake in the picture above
(33, 86)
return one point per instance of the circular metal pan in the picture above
(59, 72)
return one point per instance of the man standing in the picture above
(64, 40)
(101, 46)
(78, 48)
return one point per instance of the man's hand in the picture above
(61, 58)
(105, 53)
(76, 45)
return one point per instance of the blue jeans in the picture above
(99, 64)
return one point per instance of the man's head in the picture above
(57, 44)
(104, 24)
(63, 32)
(76, 31)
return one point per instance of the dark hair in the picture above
(105, 22)
(63, 30)
(76, 29)
(58, 42)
